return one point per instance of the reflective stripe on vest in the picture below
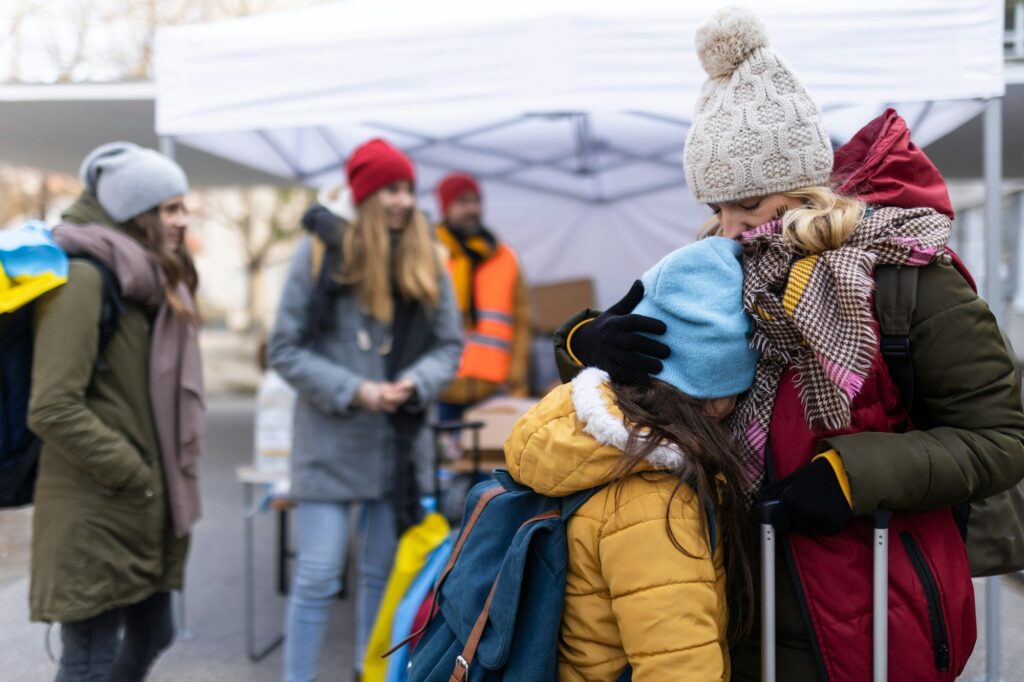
(488, 351)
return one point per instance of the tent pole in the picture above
(993, 147)
(168, 147)
(1017, 227)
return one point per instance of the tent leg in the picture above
(1017, 225)
(168, 147)
(993, 146)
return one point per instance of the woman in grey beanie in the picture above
(119, 414)
(823, 429)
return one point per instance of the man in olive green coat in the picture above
(105, 554)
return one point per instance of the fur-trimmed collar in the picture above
(593, 411)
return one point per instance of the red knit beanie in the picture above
(454, 186)
(375, 165)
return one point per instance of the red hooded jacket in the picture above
(883, 167)
(932, 627)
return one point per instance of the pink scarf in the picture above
(175, 369)
(814, 312)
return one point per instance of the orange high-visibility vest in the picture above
(488, 345)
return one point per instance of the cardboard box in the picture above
(499, 415)
(553, 304)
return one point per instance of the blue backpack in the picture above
(19, 447)
(499, 598)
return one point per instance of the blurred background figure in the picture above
(119, 410)
(368, 333)
(492, 297)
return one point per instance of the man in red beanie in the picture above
(492, 296)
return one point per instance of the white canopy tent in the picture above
(573, 112)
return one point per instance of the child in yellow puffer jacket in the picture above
(647, 584)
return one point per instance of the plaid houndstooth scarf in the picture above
(814, 312)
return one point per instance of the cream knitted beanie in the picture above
(755, 130)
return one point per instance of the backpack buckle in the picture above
(895, 346)
(461, 669)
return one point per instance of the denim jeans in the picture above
(93, 651)
(323, 537)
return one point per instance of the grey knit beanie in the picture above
(755, 130)
(129, 180)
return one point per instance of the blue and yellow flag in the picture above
(31, 264)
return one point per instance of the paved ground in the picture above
(214, 596)
(215, 650)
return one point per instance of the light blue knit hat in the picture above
(697, 291)
(129, 180)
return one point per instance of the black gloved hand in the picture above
(614, 341)
(811, 500)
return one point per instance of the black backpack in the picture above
(19, 447)
(993, 528)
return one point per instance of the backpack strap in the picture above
(573, 502)
(460, 673)
(111, 309)
(324, 261)
(895, 300)
(709, 514)
(317, 251)
(481, 504)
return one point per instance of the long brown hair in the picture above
(148, 230)
(658, 414)
(367, 260)
(188, 268)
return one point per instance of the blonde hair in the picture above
(823, 221)
(367, 260)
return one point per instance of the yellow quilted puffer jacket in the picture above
(632, 598)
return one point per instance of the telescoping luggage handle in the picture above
(879, 601)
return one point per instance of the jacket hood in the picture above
(574, 439)
(86, 210)
(883, 167)
(323, 223)
(337, 198)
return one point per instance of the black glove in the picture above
(811, 500)
(614, 341)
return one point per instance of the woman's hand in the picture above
(615, 341)
(811, 500)
(370, 396)
(396, 394)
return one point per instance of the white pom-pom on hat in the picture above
(728, 40)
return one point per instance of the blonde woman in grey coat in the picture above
(369, 333)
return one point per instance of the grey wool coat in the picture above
(341, 452)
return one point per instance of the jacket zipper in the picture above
(940, 640)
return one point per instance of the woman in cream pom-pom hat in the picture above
(822, 428)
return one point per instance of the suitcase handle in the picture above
(880, 593)
(768, 513)
(880, 597)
